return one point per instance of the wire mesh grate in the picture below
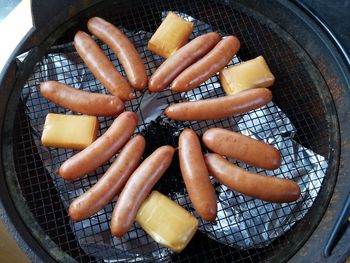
(293, 91)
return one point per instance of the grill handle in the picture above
(336, 231)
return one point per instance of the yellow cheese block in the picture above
(254, 73)
(69, 131)
(166, 222)
(172, 34)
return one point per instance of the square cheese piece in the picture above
(254, 73)
(166, 222)
(69, 131)
(172, 34)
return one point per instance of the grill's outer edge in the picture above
(36, 42)
(21, 215)
(314, 246)
(12, 67)
(314, 215)
(324, 26)
(332, 67)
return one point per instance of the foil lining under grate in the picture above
(243, 223)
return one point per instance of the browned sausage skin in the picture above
(217, 108)
(196, 176)
(123, 48)
(207, 66)
(181, 59)
(138, 187)
(111, 183)
(81, 101)
(266, 188)
(100, 150)
(101, 67)
(242, 147)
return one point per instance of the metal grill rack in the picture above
(295, 92)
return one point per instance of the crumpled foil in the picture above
(242, 222)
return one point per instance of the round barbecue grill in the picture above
(311, 92)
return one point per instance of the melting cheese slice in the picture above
(166, 222)
(69, 131)
(172, 34)
(254, 73)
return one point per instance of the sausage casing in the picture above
(138, 187)
(111, 183)
(181, 59)
(196, 176)
(217, 108)
(242, 147)
(100, 150)
(207, 66)
(101, 67)
(266, 188)
(123, 48)
(89, 103)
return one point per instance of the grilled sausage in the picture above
(81, 101)
(101, 67)
(217, 108)
(243, 148)
(111, 183)
(196, 176)
(138, 187)
(266, 188)
(100, 150)
(181, 59)
(207, 66)
(123, 48)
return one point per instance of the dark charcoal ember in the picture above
(165, 132)
(171, 182)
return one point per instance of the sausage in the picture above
(81, 101)
(196, 176)
(138, 187)
(207, 66)
(181, 59)
(123, 48)
(240, 147)
(217, 108)
(111, 183)
(101, 150)
(266, 188)
(101, 67)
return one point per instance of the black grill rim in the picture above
(6, 132)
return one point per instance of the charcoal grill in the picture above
(312, 88)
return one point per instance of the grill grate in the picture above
(294, 92)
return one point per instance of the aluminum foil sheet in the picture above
(242, 222)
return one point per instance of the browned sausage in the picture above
(196, 176)
(102, 68)
(181, 59)
(217, 108)
(243, 148)
(138, 187)
(111, 183)
(207, 66)
(123, 48)
(95, 104)
(101, 150)
(266, 188)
